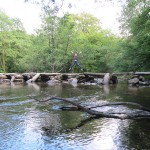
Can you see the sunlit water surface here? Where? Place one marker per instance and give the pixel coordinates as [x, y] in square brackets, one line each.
[26, 124]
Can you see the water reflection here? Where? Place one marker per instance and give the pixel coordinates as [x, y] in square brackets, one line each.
[34, 86]
[24, 122]
[109, 135]
[33, 123]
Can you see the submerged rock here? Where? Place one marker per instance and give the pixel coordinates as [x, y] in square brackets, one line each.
[144, 83]
[133, 81]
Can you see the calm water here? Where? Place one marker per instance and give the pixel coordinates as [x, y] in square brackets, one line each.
[26, 124]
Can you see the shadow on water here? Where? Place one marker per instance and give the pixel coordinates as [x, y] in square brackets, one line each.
[28, 124]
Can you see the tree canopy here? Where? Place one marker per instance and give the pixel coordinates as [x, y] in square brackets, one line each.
[50, 49]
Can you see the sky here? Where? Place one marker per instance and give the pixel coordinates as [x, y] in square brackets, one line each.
[29, 14]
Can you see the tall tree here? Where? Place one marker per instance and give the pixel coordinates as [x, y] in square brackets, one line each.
[5, 28]
[13, 42]
[138, 44]
[131, 10]
[134, 51]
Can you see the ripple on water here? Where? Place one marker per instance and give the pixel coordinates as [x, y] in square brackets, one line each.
[24, 122]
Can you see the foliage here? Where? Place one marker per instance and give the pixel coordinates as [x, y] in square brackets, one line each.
[131, 10]
[50, 49]
[12, 43]
[136, 52]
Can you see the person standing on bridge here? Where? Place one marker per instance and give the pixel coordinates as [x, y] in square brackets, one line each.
[75, 61]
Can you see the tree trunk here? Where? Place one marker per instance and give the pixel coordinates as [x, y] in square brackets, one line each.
[106, 114]
[3, 61]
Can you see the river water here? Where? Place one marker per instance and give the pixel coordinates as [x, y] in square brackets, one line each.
[26, 124]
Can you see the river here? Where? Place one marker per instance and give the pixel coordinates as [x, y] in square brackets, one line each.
[26, 124]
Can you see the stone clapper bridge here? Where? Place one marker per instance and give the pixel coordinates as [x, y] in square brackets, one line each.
[86, 77]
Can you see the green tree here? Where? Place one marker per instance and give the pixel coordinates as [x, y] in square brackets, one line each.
[131, 10]
[5, 27]
[94, 43]
[138, 44]
[13, 42]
